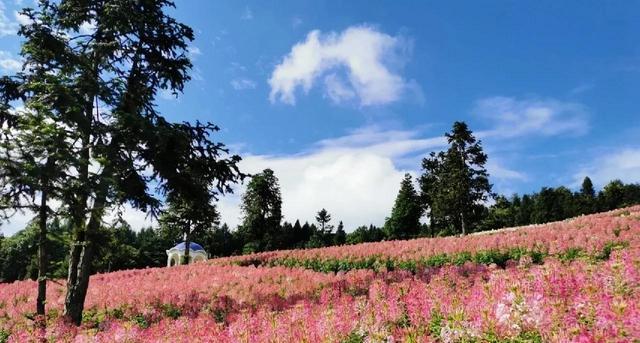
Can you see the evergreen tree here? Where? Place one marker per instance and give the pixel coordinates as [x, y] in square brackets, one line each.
[612, 196]
[587, 188]
[500, 215]
[525, 211]
[365, 234]
[323, 218]
[324, 234]
[262, 211]
[151, 247]
[404, 221]
[587, 197]
[221, 242]
[101, 87]
[455, 183]
[300, 236]
[34, 158]
[341, 236]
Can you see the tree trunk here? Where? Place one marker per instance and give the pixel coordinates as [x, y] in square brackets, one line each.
[187, 246]
[42, 240]
[463, 224]
[80, 264]
[42, 253]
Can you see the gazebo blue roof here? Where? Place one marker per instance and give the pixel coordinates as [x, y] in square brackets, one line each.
[192, 247]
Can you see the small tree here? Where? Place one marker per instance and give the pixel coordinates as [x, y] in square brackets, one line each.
[587, 197]
[340, 236]
[34, 155]
[404, 221]
[323, 218]
[324, 233]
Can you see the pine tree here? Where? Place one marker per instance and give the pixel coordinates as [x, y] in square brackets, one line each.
[587, 197]
[340, 236]
[404, 221]
[323, 218]
[262, 212]
[455, 183]
[324, 234]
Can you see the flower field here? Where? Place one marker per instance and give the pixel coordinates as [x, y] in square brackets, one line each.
[593, 235]
[572, 281]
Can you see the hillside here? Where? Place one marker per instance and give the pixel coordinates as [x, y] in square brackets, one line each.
[575, 280]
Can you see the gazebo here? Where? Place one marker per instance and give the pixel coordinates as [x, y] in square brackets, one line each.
[175, 254]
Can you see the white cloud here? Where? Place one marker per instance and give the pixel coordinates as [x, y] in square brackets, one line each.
[136, 218]
[166, 94]
[247, 14]
[354, 177]
[337, 89]
[514, 118]
[21, 18]
[196, 74]
[243, 84]
[365, 55]
[9, 64]
[88, 27]
[623, 164]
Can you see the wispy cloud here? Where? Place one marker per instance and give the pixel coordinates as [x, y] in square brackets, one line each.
[296, 21]
[623, 164]
[582, 88]
[8, 27]
[193, 51]
[242, 84]
[247, 14]
[513, 117]
[359, 62]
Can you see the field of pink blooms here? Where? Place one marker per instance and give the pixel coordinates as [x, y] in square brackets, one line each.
[572, 281]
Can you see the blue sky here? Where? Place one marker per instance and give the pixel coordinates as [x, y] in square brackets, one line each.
[342, 98]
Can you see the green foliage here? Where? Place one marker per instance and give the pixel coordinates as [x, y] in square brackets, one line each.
[262, 212]
[378, 263]
[340, 236]
[365, 234]
[609, 247]
[455, 182]
[554, 204]
[19, 253]
[571, 254]
[435, 324]
[354, 337]
[171, 311]
[141, 321]
[90, 113]
[404, 221]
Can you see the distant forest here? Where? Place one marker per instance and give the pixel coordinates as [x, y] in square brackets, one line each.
[452, 193]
